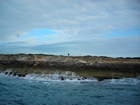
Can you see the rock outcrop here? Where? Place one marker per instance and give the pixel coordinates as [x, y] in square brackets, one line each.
[86, 66]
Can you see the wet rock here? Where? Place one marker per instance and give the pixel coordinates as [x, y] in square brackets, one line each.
[10, 73]
[21, 75]
[83, 78]
[103, 78]
[116, 77]
[15, 74]
[62, 78]
[6, 73]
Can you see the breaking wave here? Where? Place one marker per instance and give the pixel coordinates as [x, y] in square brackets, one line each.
[70, 76]
[56, 76]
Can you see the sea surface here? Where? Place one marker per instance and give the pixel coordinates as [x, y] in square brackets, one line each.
[37, 90]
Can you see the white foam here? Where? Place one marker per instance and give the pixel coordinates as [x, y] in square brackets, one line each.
[123, 81]
[6, 72]
[71, 77]
[57, 76]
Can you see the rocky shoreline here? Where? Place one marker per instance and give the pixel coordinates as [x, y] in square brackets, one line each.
[85, 66]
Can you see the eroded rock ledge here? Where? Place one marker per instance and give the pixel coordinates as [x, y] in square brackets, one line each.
[86, 66]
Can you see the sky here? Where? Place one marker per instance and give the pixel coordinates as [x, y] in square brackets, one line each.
[79, 27]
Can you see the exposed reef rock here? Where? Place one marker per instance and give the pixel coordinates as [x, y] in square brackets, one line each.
[86, 66]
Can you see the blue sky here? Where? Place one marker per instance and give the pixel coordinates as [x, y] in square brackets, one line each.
[79, 27]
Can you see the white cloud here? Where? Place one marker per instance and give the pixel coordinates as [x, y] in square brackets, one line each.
[90, 16]
[72, 20]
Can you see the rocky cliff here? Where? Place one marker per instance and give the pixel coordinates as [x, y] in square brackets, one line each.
[93, 66]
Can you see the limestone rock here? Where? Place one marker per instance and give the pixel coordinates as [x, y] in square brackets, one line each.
[36, 64]
[81, 61]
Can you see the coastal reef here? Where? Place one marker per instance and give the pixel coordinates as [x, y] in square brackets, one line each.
[100, 67]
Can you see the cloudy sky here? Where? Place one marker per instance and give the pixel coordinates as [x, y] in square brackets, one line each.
[79, 27]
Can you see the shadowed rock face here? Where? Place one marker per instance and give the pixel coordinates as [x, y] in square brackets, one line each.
[86, 66]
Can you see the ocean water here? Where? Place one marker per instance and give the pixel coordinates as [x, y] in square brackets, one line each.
[43, 90]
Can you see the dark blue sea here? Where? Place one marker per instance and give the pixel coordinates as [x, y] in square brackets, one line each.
[39, 90]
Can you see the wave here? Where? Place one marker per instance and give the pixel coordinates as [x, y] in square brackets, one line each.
[123, 81]
[65, 76]
[71, 76]
[56, 76]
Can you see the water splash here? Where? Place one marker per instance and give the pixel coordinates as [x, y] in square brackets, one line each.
[59, 76]
[7, 72]
[70, 76]
[55, 76]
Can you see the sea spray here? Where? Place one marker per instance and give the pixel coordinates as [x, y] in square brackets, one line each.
[57, 76]
[60, 76]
